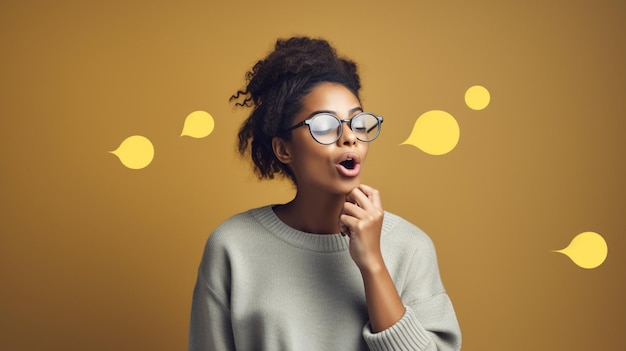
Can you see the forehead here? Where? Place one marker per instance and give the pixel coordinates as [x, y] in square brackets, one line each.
[329, 97]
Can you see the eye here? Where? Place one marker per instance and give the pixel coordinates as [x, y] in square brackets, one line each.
[359, 129]
[323, 124]
[358, 125]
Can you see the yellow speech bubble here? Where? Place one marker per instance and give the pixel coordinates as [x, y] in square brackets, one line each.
[435, 132]
[198, 124]
[587, 250]
[477, 97]
[135, 152]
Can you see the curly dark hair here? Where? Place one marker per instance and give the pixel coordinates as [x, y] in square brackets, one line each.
[274, 90]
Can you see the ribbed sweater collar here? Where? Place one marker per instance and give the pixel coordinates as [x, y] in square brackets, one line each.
[303, 240]
[308, 241]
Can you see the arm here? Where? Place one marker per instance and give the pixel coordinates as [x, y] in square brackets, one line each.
[362, 220]
[210, 325]
[384, 306]
[427, 320]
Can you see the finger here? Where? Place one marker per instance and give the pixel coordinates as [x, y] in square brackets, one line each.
[343, 229]
[347, 224]
[372, 194]
[358, 197]
[353, 210]
[366, 197]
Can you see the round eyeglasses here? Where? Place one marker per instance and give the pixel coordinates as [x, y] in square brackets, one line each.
[326, 128]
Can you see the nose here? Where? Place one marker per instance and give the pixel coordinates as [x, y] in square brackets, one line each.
[347, 135]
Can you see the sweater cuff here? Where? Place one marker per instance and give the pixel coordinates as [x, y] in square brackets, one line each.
[406, 334]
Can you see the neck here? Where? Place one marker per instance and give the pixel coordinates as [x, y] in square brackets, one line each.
[312, 213]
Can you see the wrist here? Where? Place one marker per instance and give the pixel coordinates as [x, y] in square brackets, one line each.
[373, 266]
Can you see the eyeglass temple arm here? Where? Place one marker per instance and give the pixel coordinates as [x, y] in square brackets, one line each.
[380, 121]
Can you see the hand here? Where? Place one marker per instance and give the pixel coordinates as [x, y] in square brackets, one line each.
[362, 219]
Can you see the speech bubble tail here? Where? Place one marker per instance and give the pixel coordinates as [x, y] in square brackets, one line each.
[409, 141]
[135, 152]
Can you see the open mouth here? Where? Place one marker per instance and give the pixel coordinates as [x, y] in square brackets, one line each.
[348, 164]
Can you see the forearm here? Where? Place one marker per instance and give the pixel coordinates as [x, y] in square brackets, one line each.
[362, 217]
[384, 305]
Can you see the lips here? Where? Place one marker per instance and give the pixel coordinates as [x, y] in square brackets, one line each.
[349, 164]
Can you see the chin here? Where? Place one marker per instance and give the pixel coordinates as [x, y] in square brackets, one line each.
[349, 184]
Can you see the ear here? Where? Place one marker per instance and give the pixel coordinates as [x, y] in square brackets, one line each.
[282, 150]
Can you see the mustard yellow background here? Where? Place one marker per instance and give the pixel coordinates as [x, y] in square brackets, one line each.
[96, 256]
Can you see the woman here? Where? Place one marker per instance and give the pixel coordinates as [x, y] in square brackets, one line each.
[329, 270]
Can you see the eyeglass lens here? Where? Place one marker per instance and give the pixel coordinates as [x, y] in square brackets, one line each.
[326, 128]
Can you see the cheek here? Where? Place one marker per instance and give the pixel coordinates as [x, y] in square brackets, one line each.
[312, 162]
[312, 159]
[363, 151]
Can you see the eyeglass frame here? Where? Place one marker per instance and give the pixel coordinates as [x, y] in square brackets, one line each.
[309, 120]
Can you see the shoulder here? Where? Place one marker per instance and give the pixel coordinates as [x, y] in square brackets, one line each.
[402, 238]
[237, 228]
[233, 239]
[398, 229]
[235, 222]
[411, 258]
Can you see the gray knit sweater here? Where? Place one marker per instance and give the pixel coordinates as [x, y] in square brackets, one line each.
[263, 285]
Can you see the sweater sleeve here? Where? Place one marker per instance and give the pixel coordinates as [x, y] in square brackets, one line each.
[429, 322]
[410, 334]
[210, 325]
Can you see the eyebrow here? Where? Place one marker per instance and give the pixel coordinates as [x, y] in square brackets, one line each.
[350, 112]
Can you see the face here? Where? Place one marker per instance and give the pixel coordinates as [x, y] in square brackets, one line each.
[333, 168]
